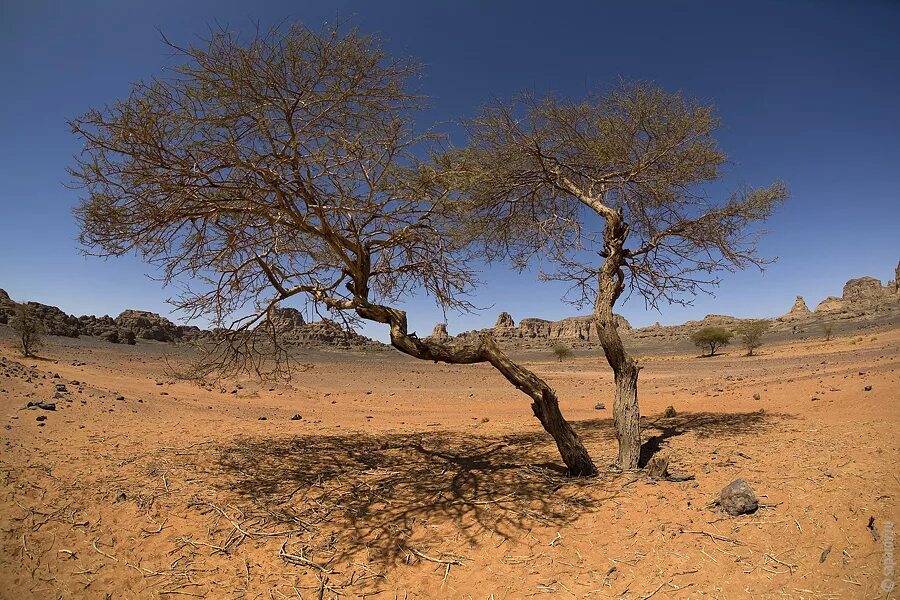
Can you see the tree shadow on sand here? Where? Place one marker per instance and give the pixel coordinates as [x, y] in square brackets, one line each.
[390, 492]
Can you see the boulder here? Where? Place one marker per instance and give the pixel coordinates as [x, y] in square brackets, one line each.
[737, 498]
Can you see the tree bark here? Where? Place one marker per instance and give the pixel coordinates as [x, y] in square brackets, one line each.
[611, 281]
[545, 404]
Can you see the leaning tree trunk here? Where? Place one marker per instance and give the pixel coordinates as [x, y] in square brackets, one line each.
[626, 411]
[545, 405]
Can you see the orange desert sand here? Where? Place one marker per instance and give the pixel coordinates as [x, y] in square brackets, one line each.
[405, 479]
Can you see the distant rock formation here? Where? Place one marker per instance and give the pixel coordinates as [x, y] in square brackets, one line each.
[538, 333]
[504, 320]
[830, 304]
[287, 319]
[440, 332]
[799, 307]
[295, 331]
[862, 296]
[151, 326]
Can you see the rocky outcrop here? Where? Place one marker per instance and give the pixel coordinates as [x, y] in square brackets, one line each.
[151, 326]
[146, 325]
[862, 296]
[6, 307]
[440, 332]
[799, 309]
[295, 331]
[504, 320]
[831, 304]
[864, 290]
[55, 321]
[287, 319]
[538, 333]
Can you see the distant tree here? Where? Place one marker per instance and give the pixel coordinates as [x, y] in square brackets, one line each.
[711, 338]
[112, 336]
[30, 329]
[129, 337]
[751, 333]
[827, 330]
[621, 176]
[561, 352]
[284, 166]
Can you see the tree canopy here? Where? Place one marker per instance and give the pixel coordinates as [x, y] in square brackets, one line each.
[563, 180]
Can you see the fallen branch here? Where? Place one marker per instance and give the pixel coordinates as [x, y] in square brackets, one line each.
[299, 559]
[714, 536]
[422, 555]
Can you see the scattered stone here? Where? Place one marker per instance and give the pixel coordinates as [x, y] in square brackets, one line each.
[868, 388]
[263, 418]
[737, 498]
[669, 412]
[599, 406]
[873, 530]
[120, 498]
[120, 397]
[41, 418]
[296, 418]
[42, 405]
[61, 387]
[756, 396]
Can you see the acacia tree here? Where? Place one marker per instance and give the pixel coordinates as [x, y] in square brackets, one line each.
[281, 167]
[711, 338]
[751, 333]
[609, 193]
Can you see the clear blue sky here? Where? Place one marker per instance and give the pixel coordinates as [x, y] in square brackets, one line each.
[808, 92]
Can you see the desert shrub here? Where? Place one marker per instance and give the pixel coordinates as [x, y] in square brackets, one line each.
[711, 338]
[751, 333]
[29, 327]
[561, 352]
[112, 336]
[129, 337]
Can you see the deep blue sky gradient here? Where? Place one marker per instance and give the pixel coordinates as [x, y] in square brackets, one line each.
[808, 92]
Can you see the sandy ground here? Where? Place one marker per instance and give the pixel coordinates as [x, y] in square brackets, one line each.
[405, 479]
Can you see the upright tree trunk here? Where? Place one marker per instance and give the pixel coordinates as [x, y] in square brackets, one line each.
[611, 281]
[544, 402]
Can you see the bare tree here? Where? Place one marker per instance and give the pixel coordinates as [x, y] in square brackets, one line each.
[286, 167]
[28, 326]
[609, 192]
